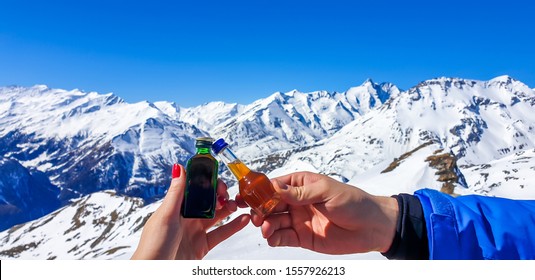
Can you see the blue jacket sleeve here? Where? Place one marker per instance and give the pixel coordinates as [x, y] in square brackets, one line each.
[478, 227]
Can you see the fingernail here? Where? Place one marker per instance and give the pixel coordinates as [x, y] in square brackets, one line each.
[176, 171]
[281, 185]
[222, 200]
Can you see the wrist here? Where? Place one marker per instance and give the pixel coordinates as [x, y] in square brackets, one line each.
[388, 212]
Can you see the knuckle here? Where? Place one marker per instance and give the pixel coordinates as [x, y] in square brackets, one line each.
[299, 193]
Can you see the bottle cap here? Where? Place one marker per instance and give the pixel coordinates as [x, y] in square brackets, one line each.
[204, 142]
[219, 145]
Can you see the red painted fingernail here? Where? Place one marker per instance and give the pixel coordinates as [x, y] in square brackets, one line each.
[222, 200]
[176, 171]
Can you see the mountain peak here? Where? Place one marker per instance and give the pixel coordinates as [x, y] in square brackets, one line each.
[278, 96]
[368, 81]
[511, 84]
[503, 78]
[445, 82]
[291, 92]
[40, 87]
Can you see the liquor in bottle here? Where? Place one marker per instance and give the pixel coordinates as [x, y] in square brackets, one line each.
[201, 182]
[255, 187]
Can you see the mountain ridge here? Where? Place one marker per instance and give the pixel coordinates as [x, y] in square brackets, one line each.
[94, 143]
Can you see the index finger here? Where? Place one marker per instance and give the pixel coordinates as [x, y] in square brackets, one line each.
[172, 202]
[222, 188]
[298, 178]
[222, 194]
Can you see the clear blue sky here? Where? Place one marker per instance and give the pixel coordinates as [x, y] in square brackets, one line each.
[193, 52]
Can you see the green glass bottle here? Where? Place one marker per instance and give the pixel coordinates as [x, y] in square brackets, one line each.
[201, 182]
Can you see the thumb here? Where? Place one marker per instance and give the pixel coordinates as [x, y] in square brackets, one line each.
[172, 201]
[302, 195]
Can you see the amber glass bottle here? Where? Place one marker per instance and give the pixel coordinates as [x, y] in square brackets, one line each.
[201, 182]
[255, 187]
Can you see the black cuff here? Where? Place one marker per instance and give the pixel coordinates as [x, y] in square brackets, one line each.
[410, 241]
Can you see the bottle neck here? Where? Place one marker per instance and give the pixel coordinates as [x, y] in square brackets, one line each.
[203, 150]
[236, 166]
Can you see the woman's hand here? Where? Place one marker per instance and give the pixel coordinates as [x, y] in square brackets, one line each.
[167, 235]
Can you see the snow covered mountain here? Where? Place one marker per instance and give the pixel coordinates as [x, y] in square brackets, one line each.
[283, 120]
[87, 142]
[455, 135]
[25, 194]
[99, 225]
[476, 121]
